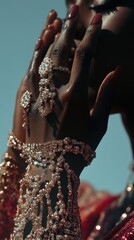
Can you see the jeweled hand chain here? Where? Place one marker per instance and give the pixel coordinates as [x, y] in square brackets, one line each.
[47, 89]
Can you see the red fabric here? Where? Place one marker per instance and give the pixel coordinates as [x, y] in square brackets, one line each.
[11, 173]
[92, 206]
[124, 230]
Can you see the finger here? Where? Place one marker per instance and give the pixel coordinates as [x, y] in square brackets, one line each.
[57, 25]
[61, 49]
[40, 45]
[46, 41]
[72, 52]
[105, 97]
[83, 55]
[50, 19]
[33, 75]
[56, 37]
[48, 37]
[101, 111]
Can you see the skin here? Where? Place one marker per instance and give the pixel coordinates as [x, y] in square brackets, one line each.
[52, 24]
[103, 60]
[102, 64]
[74, 120]
[72, 94]
[122, 97]
[72, 117]
[115, 47]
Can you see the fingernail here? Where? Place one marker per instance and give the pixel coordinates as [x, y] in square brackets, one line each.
[51, 11]
[73, 12]
[38, 44]
[97, 19]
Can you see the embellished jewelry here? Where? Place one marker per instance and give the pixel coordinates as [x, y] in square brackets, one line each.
[47, 89]
[67, 145]
[25, 104]
[14, 142]
[47, 207]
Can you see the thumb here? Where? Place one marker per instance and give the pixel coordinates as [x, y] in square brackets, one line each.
[105, 96]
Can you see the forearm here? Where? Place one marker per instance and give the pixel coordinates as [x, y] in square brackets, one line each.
[48, 194]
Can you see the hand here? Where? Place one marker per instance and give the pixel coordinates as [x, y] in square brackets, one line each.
[56, 106]
[44, 41]
[70, 116]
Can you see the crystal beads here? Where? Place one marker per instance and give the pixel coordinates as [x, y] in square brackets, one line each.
[47, 206]
[47, 89]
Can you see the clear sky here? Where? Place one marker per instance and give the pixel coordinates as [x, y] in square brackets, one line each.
[20, 25]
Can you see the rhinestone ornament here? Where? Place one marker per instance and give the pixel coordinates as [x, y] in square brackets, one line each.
[25, 104]
[13, 142]
[48, 193]
[47, 89]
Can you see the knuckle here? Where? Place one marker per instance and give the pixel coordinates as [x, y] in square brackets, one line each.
[59, 50]
[91, 36]
[61, 46]
[66, 26]
[56, 50]
[91, 30]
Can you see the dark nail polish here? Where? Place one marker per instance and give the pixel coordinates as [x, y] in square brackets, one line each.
[51, 11]
[97, 19]
[73, 12]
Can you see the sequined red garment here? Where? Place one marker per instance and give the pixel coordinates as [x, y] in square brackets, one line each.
[10, 174]
[93, 216]
[92, 204]
[124, 230]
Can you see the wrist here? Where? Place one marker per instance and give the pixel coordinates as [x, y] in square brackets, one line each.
[14, 150]
[51, 186]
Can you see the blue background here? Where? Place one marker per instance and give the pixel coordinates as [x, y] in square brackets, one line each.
[20, 25]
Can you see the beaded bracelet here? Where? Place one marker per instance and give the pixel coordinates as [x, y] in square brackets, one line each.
[42, 151]
[51, 187]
